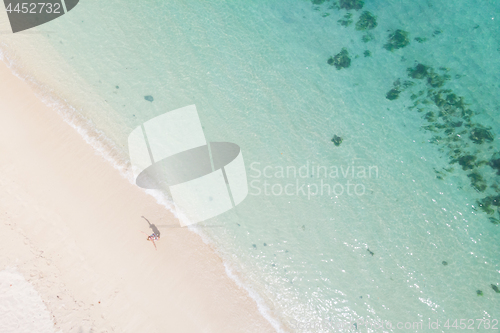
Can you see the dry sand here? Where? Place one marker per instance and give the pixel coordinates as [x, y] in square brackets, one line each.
[71, 226]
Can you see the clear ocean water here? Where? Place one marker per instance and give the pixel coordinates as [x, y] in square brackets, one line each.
[412, 234]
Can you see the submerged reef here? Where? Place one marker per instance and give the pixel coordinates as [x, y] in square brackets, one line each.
[398, 88]
[445, 114]
[435, 80]
[495, 163]
[393, 94]
[337, 140]
[477, 181]
[149, 98]
[397, 40]
[466, 143]
[486, 203]
[346, 21]
[495, 288]
[351, 4]
[470, 147]
[480, 134]
[341, 60]
[436, 32]
[466, 162]
[419, 72]
[367, 21]
[367, 37]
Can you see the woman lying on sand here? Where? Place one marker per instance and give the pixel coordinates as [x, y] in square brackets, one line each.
[152, 238]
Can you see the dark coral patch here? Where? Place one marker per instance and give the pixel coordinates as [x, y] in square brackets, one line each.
[418, 72]
[367, 37]
[456, 123]
[495, 164]
[466, 162]
[480, 134]
[337, 140]
[452, 124]
[430, 117]
[477, 181]
[436, 32]
[393, 94]
[435, 80]
[346, 21]
[399, 87]
[341, 60]
[486, 203]
[397, 40]
[351, 4]
[367, 21]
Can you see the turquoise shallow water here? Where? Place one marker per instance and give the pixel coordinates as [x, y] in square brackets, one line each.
[410, 242]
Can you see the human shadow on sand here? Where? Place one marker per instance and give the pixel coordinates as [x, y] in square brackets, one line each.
[152, 227]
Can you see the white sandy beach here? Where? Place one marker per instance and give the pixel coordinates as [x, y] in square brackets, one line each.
[70, 224]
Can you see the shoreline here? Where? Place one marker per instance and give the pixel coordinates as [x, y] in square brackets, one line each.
[80, 220]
